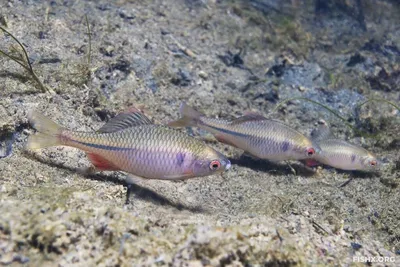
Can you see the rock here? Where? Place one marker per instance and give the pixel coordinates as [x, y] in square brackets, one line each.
[203, 75]
[107, 50]
[355, 59]
[385, 81]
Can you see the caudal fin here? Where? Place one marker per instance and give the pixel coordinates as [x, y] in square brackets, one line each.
[189, 117]
[48, 132]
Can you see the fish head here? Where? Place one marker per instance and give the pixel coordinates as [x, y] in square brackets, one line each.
[210, 162]
[312, 150]
[369, 162]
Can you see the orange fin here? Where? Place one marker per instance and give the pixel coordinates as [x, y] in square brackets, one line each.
[101, 163]
[310, 163]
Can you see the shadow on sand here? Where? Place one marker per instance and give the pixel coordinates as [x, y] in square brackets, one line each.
[276, 169]
[140, 192]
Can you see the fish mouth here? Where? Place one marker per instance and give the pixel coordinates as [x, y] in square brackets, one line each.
[228, 165]
[224, 162]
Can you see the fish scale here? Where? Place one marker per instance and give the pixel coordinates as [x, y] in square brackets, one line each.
[130, 142]
[340, 153]
[343, 156]
[255, 134]
[155, 154]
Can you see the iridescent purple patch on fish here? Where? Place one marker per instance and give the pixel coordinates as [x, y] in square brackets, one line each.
[285, 146]
[353, 158]
[180, 158]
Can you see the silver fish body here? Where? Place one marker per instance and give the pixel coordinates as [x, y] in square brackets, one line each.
[343, 155]
[150, 151]
[131, 143]
[255, 134]
[340, 153]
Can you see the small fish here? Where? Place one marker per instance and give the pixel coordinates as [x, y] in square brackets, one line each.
[130, 142]
[339, 153]
[253, 133]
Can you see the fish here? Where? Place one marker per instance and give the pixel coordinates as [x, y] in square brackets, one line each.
[131, 143]
[340, 154]
[256, 135]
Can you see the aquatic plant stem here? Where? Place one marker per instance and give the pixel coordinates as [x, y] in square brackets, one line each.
[362, 133]
[379, 100]
[90, 41]
[27, 66]
[314, 102]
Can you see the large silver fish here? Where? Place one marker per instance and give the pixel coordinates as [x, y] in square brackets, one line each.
[339, 153]
[253, 133]
[130, 142]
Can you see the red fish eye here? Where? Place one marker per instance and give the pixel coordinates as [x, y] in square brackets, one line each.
[214, 165]
[373, 162]
[310, 151]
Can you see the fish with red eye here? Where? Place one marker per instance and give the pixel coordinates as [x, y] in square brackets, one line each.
[340, 153]
[310, 152]
[373, 163]
[215, 165]
[256, 135]
[130, 142]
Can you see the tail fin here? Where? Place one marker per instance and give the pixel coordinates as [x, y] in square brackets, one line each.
[48, 132]
[190, 117]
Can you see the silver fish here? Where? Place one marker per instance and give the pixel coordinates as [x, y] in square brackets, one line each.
[253, 133]
[130, 142]
[339, 153]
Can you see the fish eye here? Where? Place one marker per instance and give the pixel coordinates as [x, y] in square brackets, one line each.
[215, 165]
[373, 163]
[310, 151]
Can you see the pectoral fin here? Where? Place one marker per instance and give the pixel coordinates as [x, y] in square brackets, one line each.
[185, 175]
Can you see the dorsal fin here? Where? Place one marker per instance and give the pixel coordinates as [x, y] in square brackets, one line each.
[129, 118]
[249, 117]
[322, 132]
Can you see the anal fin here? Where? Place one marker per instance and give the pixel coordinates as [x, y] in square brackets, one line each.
[101, 163]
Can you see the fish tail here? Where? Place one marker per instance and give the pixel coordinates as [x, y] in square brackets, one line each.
[48, 134]
[190, 117]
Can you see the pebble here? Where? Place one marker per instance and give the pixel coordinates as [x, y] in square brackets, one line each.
[355, 245]
[203, 75]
